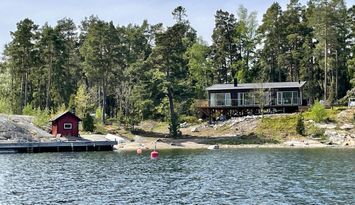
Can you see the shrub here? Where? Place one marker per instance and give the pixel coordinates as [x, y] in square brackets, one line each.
[28, 110]
[5, 107]
[88, 123]
[189, 119]
[42, 117]
[100, 129]
[318, 112]
[98, 114]
[300, 125]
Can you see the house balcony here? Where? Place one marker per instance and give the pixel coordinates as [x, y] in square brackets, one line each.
[246, 103]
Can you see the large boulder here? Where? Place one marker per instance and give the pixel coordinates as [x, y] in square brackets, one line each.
[336, 137]
[347, 126]
[11, 131]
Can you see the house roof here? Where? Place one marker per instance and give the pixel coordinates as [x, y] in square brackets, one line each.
[61, 115]
[252, 86]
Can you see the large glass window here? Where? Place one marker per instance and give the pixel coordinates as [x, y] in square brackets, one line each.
[254, 98]
[287, 98]
[248, 98]
[220, 99]
[295, 98]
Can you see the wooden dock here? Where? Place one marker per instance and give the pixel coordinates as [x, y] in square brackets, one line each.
[60, 146]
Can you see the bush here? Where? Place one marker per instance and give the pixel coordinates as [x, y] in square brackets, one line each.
[42, 117]
[88, 123]
[98, 114]
[315, 131]
[189, 119]
[300, 129]
[318, 112]
[5, 107]
[100, 129]
[28, 110]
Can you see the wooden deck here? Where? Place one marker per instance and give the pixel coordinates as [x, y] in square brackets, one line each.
[68, 146]
[230, 111]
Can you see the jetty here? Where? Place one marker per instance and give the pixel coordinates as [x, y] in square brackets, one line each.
[68, 146]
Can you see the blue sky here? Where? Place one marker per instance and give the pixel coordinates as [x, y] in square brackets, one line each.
[200, 12]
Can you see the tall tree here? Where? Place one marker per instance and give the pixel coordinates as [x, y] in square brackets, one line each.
[245, 39]
[272, 40]
[295, 32]
[328, 20]
[200, 68]
[224, 49]
[351, 60]
[21, 55]
[170, 66]
[101, 53]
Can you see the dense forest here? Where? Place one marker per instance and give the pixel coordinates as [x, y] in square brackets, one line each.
[135, 72]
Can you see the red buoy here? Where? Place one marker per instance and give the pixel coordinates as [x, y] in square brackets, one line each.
[154, 154]
[139, 151]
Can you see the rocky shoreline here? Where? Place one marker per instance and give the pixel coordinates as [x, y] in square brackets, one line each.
[239, 131]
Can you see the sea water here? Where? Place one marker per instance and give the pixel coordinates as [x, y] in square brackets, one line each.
[234, 176]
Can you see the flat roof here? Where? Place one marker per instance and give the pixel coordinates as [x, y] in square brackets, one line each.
[251, 86]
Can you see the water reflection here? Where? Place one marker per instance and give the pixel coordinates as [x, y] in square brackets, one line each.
[245, 176]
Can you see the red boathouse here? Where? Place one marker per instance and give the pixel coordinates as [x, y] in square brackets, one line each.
[66, 124]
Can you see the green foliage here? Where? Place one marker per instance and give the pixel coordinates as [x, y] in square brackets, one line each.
[5, 107]
[188, 119]
[300, 128]
[317, 112]
[278, 127]
[154, 72]
[100, 129]
[200, 68]
[42, 118]
[82, 101]
[98, 114]
[29, 110]
[315, 131]
[174, 127]
[88, 123]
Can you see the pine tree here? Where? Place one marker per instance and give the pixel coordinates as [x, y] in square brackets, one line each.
[170, 67]
[271, 36]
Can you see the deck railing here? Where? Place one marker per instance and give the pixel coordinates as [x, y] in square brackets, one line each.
[239, 103]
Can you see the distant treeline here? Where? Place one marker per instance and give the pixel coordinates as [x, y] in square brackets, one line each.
[146, 71]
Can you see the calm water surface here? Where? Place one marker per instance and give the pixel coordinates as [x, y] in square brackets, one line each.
[243, 176]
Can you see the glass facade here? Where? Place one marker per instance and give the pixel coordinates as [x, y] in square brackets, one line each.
[255, 98]
[287, 98]
[220, 99]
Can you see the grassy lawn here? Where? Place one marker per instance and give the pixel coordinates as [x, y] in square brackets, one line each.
[278, 128]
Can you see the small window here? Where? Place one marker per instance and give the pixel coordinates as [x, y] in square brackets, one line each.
[68, 126]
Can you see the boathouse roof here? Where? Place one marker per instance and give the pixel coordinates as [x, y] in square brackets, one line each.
[62, 115]
[251, 86]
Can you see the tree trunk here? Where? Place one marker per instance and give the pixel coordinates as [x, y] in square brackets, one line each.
[325, 69]
[336, 74]
[173, 118]
[103, 101]
[49, 81]
[26, 88]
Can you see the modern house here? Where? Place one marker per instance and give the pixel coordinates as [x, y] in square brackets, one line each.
[240, 99]
[65, 124]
